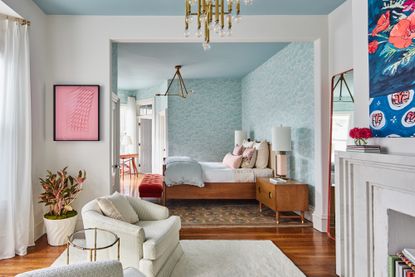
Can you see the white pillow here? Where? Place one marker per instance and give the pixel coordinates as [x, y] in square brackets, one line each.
[262, 155]
[118, 207]
[248, 144]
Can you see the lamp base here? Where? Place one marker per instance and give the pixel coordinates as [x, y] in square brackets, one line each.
[282, 165]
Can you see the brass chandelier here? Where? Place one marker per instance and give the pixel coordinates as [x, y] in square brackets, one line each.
[212, 15]
[182, 90]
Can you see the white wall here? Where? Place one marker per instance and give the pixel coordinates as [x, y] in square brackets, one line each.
[361, 80]
[39, 59]
[78, 48]
[341, 39]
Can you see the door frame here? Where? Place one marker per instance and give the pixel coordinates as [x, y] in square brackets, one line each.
[161, 152]
[141, 102]
[115, 144]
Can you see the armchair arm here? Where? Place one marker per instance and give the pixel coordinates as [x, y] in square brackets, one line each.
[131, 236]
[147, 210]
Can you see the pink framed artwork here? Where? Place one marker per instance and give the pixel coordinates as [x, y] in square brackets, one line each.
[76, 112]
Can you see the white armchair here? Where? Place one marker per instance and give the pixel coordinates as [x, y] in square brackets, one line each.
[151, 245]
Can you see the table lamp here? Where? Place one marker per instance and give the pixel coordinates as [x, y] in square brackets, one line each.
[240, 136]
[281, 144]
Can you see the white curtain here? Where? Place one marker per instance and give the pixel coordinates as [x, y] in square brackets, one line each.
[16, 206]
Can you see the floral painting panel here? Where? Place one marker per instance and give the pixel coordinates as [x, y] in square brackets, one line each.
[392, 67]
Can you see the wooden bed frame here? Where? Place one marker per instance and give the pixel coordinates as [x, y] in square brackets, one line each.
[211, 191]
[214, 190]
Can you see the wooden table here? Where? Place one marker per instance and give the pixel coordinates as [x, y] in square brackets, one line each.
[291, 196]
[132, 164]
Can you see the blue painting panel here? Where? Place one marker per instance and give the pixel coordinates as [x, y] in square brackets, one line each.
[393, 115]
[392, 67]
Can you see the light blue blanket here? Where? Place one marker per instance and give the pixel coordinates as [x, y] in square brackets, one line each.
[183, 170]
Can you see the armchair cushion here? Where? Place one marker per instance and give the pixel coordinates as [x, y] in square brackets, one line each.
[147, 210]
[118, 207]
[161, 236]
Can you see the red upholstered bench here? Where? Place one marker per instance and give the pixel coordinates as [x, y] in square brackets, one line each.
[151, 186]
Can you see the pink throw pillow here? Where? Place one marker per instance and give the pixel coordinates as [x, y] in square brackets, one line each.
[238, 150]
[248, 153]
[232, 161]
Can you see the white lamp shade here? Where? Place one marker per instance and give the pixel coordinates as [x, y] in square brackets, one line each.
[239, 137]
[281, 139]
[126, 140]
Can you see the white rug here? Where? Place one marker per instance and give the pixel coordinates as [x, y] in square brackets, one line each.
[217, 258]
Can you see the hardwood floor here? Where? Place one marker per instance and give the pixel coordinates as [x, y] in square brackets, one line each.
[313, 252]
[39, 256]
[129, 184]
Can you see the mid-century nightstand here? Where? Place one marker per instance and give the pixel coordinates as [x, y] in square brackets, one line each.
[291, 196]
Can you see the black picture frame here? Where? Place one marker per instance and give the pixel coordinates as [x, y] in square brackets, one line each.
[55, 91]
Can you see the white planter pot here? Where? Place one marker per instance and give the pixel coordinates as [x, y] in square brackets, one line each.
[58, 230]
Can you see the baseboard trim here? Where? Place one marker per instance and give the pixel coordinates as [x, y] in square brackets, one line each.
[39, 230]
[320, 222]
[309, 214]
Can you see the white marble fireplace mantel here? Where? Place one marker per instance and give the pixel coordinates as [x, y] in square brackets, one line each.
[370, 187]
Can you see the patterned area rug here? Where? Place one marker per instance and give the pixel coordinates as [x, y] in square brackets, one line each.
[228, 213]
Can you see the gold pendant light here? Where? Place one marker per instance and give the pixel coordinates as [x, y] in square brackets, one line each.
[182, 90]
[212, 15]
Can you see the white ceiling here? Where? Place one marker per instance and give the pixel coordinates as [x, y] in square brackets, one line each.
[142, 65]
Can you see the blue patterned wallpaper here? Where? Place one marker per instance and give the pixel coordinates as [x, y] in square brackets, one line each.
[124, 94]
[202, 126]
[150, 92]
[281, 91]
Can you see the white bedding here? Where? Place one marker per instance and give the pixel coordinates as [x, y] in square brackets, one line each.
[217, 172]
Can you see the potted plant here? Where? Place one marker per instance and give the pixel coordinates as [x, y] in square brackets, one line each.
[60, 190]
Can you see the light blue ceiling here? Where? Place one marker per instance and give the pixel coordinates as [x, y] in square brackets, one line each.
[176, 7]
[142, 65]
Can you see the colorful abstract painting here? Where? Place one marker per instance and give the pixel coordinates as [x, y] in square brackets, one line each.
[392, 67]
[76, 112]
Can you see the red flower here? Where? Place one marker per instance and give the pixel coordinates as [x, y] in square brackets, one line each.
[373, 46]
[409, 5]
[382, 24]
[365, 133]
[403, 32]
[354, 133]
[360, 133]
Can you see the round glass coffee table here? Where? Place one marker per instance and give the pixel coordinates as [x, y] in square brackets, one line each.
[92, 239]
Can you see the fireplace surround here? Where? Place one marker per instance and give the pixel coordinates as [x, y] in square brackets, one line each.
[375, 211]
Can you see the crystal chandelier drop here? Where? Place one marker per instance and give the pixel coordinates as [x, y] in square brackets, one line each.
[212, 15]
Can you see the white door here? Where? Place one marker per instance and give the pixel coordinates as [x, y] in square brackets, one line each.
[115, 144]
[145, 145]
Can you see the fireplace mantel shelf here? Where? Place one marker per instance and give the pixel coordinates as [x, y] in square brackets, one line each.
[368, 186]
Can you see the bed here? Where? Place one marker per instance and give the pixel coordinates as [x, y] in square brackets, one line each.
[220, 182]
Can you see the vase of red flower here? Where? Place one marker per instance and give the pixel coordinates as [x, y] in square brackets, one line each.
[360, 135]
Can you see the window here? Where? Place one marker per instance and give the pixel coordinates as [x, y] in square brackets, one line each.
[341, 125]
[145, 110]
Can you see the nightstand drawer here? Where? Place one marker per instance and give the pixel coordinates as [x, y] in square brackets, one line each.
[265, 194]
[290, 196]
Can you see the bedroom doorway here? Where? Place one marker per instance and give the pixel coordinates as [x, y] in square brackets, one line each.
[145, 135]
